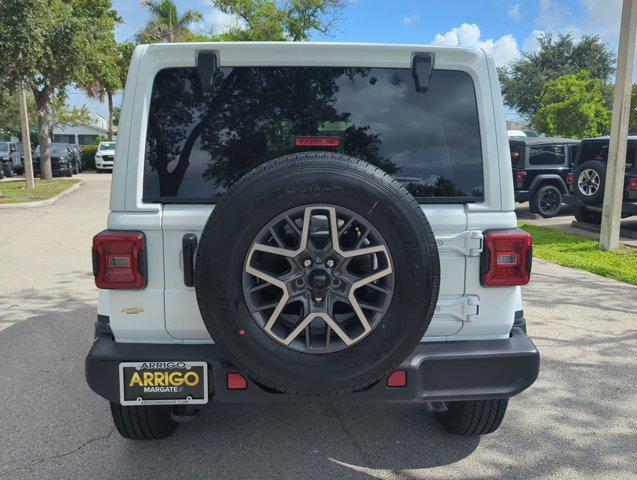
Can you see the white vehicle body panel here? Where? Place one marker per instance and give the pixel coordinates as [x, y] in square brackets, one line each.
[166, 310]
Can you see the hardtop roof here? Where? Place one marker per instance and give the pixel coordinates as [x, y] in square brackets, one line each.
[544, 140]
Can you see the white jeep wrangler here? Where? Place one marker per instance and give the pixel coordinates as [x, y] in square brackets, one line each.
[300, 221]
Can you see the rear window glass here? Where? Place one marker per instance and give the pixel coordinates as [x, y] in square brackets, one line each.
[547, 155]
[598, 150]
[199, 143]
[54, 149]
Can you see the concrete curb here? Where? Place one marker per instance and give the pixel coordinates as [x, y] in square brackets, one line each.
[44, 203]
[595, 228]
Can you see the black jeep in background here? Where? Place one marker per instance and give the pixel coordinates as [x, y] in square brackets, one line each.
[540, 169]
[63, 161]
[586, 188]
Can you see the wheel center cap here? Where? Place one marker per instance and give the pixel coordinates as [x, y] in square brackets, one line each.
[318, 281]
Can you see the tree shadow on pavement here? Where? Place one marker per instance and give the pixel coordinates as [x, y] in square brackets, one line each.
[578, 420]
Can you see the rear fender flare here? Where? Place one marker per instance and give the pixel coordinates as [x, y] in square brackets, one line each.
[548, 179]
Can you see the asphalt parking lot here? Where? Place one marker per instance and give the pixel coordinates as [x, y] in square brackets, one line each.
[578, 421]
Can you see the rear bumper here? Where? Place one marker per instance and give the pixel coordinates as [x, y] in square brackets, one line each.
[629, 208]
[443, 371]
[56, 171]
[522, 196]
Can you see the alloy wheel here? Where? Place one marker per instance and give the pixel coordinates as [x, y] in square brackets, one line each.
[588, 182]
[318, 278]
[549, 202]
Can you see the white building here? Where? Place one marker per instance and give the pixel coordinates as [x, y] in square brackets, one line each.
[82, 134]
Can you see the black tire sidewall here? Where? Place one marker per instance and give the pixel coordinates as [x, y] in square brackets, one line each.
[598, 197]
[285, 185]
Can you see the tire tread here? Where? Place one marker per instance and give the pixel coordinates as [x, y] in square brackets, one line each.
[143, 423]
[473, 417]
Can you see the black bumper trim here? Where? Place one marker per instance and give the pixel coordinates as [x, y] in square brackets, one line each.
[441, 371]
[522, 196]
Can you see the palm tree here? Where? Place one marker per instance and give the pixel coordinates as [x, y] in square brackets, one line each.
[166, 24]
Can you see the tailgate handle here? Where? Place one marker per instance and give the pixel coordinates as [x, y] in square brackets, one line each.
[189, 246]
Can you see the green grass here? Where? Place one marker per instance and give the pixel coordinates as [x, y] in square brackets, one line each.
[582, 252]
[15, 191]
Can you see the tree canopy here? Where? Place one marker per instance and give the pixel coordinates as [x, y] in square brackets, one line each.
[573, 106]
[523, 80]
[61, 113]
[10, 113]
[50, 45]
[272, 20]
[166, 23]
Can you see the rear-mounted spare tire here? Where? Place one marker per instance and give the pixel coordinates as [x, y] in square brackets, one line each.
[317, 274]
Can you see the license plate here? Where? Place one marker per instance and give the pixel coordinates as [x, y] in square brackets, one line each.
[163, 383]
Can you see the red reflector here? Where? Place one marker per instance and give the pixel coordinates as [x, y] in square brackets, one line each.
[519, 176]
[236, 381]
[317, 141]
[506, 258]
[570, 176]
[118, 260]
[632, 184]
[397, 378]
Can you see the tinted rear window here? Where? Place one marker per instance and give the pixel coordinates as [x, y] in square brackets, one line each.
[598, 150]
[198, 144]
[547, 155]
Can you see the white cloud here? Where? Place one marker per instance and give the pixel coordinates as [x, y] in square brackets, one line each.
[504, 49]
[530, 43]
[551, 16]
[218, 21]
[411, 19]
[514, 13]
[603, 17]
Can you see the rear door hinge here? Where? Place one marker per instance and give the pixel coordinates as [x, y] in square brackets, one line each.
[465, 308]
[468, 243]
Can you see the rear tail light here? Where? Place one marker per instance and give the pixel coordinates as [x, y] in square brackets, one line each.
[506, 258]
[317, 141]
[632, 184]
[119, 260]
[570, 177]
[519, 175]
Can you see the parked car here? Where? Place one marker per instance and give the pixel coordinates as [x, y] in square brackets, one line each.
[104, 156]
[587, 181]
[9, 158]
[540, 168]
[62, 160]
[247, 259]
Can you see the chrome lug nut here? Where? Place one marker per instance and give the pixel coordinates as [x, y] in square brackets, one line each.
[307, 262]
[330, 263]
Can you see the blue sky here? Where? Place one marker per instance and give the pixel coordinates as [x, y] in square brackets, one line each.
[504, 27]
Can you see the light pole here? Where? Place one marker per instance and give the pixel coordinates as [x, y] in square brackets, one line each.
[614, 186]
